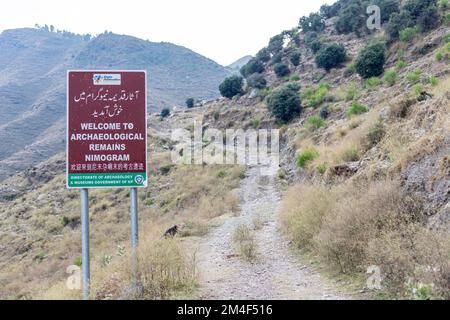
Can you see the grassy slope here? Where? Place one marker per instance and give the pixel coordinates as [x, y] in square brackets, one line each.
[41, 228]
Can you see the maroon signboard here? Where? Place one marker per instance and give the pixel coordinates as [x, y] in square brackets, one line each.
[106, 129]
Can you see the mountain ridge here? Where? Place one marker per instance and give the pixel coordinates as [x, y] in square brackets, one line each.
[34, 64]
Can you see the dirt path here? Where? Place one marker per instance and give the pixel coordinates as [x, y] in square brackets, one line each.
[277, 274]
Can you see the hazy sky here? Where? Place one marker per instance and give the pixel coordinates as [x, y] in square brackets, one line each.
[222, 30]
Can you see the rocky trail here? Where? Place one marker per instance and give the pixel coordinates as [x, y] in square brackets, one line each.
[276, 273]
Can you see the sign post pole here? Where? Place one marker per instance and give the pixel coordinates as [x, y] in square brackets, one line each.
[134, 218]
[106, 143]
[134, 231]
[85, 260]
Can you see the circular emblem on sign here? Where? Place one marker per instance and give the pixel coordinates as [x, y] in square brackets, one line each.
[139, 179]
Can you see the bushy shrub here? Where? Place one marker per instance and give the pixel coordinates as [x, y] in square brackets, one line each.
[423, 13]
[312, 41]
[429, 19]
[231, 86]
[357, 219]
[284, 103]
[295, 58]
[387, 8]
[398, 22]
[417, 7]
[406, 35]
[165, 113]
[447, 19]
[281, 70]
[433, 81]
[370, 60]
[353, 226]
[400, 64]
[332, 56]
[313, 97]
[315, 46]
[352, 18]
[253, 66]
[293, 35]
[277, 58]
[304, 208]
[390, 77]
[245, 243]
[374, 136]
[314, 22]
[350, 154]
[350, 70]
[310, 36]
[314, 122]
[324, 112]
[306, 156]
[329, 11]
[190, 103]
[276, 44]
[443, 4]
[356, 108]
[414, 76]
[351, 92]
[263, 55]
[352, 14]
[373, 82]
[257, 81]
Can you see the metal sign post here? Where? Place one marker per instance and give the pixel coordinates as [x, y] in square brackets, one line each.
[134, 217]
[106, 143]
[134, 231]
[84, 193]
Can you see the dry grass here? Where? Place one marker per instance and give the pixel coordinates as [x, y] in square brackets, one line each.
[346, 143]
[258, 222]
[46, 236]
[303, 211]
[353, 226]
[245, 243]
[164, 268]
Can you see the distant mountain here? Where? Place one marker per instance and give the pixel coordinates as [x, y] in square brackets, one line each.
[236, 66]
[33, 66]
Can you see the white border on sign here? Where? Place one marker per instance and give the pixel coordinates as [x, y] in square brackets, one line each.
[67, 129]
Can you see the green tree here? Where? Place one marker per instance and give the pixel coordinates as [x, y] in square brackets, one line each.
[314, 22]
[165, 113]
[190, 102]
[329, 11]
[257, 81]
[276, 44]
[263, 55]
[331, 56]
[370, 60]
[429, 19]
[281, 70]
[231, 86]
[417, 7]
[284, 103]
[398, 22]
[253, 66]
[352, 18]
[295, 58]
[387, 8]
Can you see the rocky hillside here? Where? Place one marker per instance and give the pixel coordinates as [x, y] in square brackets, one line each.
[33, 66]
[366, 140]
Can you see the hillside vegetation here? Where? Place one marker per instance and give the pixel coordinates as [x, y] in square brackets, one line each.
[365, 120]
